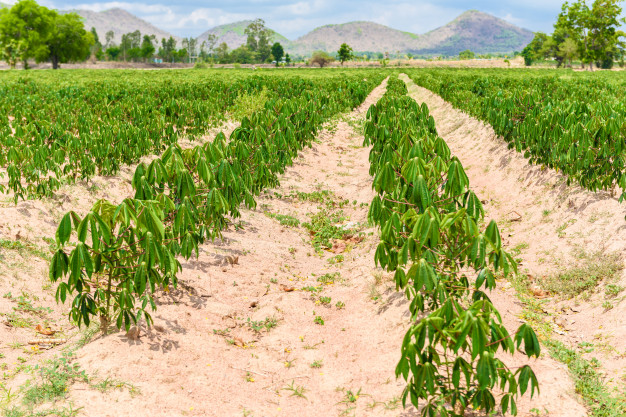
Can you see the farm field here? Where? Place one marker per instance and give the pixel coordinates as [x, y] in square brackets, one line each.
[274, 242]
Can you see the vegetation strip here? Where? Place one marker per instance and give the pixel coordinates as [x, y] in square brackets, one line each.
[571, 124]
[117, 256]
[431, 235]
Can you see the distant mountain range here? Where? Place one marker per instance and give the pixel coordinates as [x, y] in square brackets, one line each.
[474, 30]
[120, 22]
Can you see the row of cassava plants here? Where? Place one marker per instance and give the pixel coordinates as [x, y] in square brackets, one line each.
[111, 261]
[432, 237]
[59, 130]
[576, 125]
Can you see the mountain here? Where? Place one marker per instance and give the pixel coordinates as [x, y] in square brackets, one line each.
[474, 30]
[234, 36]
[361, 36]
[120, 22]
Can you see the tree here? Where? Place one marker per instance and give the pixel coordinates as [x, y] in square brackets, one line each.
[96, 48]
[277, 52]
[190, 45]
[24, 29]
[568, 50]
[344, 53]
[594, 29]
[168, 49]
[466, 54]
[211, 40]
[68, 41]
[242, 55]
[110, 35]
[287, 59]
[532, 51]
[113, 52]
[321, 58]
[258, 39]
[147, 47]
[222, 53]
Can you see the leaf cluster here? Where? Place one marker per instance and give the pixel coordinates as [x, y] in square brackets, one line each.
[433, 239]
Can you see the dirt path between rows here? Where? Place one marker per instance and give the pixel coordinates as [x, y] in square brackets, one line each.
[554, 229]
[318, 353]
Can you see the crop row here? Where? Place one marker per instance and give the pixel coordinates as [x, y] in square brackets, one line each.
[55, 131]
[574, 124]
[444, 259]
[112, 260]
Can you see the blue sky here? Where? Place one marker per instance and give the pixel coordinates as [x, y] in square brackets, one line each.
[295, 18]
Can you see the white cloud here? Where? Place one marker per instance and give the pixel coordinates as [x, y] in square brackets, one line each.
[140, 8]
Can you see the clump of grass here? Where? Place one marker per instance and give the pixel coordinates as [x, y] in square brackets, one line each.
[54, 379]
[284, 219]
[593, 268]
[249, 103]
[323, 230]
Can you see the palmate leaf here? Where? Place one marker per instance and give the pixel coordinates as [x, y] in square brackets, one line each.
[64, 229]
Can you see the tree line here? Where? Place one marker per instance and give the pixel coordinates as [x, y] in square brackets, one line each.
[589, 33]
[29, 31]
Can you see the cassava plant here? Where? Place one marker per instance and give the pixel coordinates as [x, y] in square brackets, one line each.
[444, 260]
[572, 125]
[120, 258]
[115, 258]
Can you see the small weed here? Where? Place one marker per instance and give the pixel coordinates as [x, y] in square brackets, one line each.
[335, 259]
[340, 305]
[325, 300]
[318, 320]
[351, 397]
[328, 279]
[221, 332]
[267, 324]
[284, 219]
[317, 364]
[296, 390]
[560, 231]
[613, 290]
[607, 305]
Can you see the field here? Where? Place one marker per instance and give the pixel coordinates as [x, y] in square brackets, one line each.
[350, 242]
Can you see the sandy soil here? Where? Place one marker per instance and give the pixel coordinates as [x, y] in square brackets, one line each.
[555, 227]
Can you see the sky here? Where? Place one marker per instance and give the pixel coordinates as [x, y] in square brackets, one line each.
[295, 18]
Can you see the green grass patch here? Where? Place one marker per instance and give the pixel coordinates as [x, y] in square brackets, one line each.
[593, 268]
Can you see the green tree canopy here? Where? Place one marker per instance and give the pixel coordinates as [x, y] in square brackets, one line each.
[589, 32]
[466, 54]
[344, 53]
[147, 47]
[24, 29]
[68, 41]
[277, 52]
[258, 39]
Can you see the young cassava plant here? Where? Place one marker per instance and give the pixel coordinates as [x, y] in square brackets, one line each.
[432, 237]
